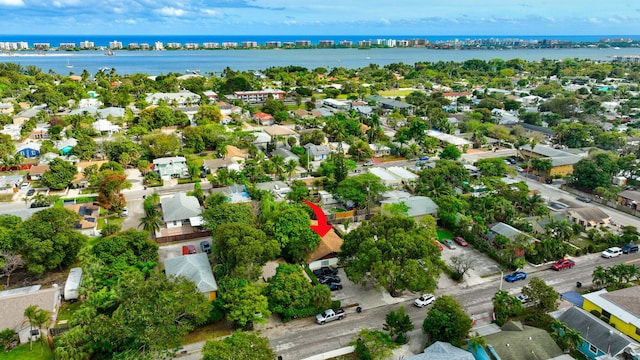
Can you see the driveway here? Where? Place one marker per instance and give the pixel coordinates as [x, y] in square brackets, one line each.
[172, 250]
[483, 267]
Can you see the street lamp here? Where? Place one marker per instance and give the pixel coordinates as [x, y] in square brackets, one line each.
[501, 277]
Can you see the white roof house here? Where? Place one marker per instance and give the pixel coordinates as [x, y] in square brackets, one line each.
[405, 175]
[387, 178]
[181, 207]
[448, 138]
[105, 126]
[181, 98]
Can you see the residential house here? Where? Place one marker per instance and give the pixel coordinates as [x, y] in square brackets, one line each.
[562, 161]
[335, 147]
[620, 308]
[417, 206]
[589, 216]
[212, 96]
[539, 223]
[261, 140]
[516, 341]
[448, 139]
[110, 113]
[181, 98]
[169, 167]
[10, 183]
[91, 102]
[336, 104]
[36, 172]
[509, 232]
[29, 150]
[15, 301]
[629, 198]
[388, 179]
[442, 351]
[276, 131]
[23, 116]
[390, 104]
[317, 152]
[65, 146]
[13, 130]
[225, 108]
[286, 154]
[598, 337]
[326, 253]
[235, 154]
[194, 267]
[259, 96]
[212, 165]
[6, 109]
[41, 131]
[105, 126]
[180, 210]
[407, 177]
[89, 213]
[279, 189]
[380, 150]
[263, 118]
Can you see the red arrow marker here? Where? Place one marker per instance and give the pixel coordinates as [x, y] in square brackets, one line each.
[322, 228]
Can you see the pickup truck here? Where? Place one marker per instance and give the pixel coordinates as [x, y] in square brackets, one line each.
[330, 315]
[563, 264]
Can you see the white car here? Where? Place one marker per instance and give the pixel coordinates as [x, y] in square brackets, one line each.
[612, 252]
[424, 300]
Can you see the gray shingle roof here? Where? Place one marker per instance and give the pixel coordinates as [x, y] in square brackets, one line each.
[195, 267]
[595, 331]
[179, 207]
[442, 351]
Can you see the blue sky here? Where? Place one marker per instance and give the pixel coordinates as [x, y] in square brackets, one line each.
[326, 17]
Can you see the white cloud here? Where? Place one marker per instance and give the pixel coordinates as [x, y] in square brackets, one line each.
[211, 12]
[170, 11]
[12, 2]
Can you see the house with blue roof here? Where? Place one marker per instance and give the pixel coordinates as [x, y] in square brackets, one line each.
[29, 150]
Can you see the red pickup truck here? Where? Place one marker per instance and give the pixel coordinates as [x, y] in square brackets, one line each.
[563, 264]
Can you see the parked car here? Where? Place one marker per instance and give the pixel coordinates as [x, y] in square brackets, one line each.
[424, 300]
[330, 315]
[125, 212]
[334, 286]
[420, 163]
[205, 247]
[424, 158]
[191, 249]
[612, 252]
[519, 169]
[326, 279]
[325, 270]
[438, 244]
[368, 163]
[630, 248]
[449, 243]
[460, 241]
[30, 192]
[563, 264]
[25, 185]
[584, 199]
[515, 276]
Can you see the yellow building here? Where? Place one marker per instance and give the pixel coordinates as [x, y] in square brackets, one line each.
[620, 308]
[562, 161]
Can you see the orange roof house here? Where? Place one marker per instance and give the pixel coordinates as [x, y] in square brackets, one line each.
[327, 251]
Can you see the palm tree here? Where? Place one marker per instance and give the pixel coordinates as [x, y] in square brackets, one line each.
[36, 318]
[151, 222]
[291, 167]
[41, 320]
[599, 276]
[278, 165]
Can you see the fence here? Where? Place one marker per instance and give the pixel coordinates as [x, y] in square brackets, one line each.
[605, 202]
[181, 237]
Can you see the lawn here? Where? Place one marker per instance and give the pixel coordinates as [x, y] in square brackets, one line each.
[6, 197]
[444, 234]
[395, 93]
[207, 332]
[22, 352]
[67, 309]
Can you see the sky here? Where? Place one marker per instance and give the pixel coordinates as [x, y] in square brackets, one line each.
[326, 17]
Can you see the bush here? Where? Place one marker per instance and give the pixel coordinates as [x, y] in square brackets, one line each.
[456, 276]
[336, 304]
[595, 313]
[216, 313]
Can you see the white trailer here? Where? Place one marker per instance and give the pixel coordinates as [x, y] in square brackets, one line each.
[73, 284]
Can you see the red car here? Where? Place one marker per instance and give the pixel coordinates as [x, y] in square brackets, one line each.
[439, 245]
[189, 249]
[563, 264]
[460, 241]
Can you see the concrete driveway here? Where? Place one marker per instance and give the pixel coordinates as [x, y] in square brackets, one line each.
[483, 267]
[172, 250]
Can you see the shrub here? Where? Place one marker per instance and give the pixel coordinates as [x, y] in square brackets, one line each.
[596, 313]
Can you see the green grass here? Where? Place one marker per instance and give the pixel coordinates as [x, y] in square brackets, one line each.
[6, 197]
[444, 234]
[395, 93]
[22, 352]
[207, 332]
[79, 200]
[67, 309]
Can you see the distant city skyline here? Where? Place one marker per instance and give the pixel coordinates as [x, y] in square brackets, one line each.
[330, 17]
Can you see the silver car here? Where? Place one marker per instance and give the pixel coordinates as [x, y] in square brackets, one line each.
[424, 300]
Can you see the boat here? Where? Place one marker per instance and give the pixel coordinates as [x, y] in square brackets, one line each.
[69, 66]
[110, 53]
[193, 71]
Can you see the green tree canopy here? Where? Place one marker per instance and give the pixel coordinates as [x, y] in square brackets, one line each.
[240, 345]
[361, 189]
[541, 295]
[290, 226]
[49, 239]
[450, 152]
[291, 294]
[59, 175]
[446, 321]
[242, 250]
[394, 253]
[243, 303]
[219, 214]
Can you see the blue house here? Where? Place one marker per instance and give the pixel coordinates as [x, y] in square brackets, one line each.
[599, 338]
[30, 150]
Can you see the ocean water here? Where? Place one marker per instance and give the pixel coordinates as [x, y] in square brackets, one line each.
[215, 61]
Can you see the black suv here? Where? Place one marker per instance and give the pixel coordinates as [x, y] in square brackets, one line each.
[630, 249]
[325, 270]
